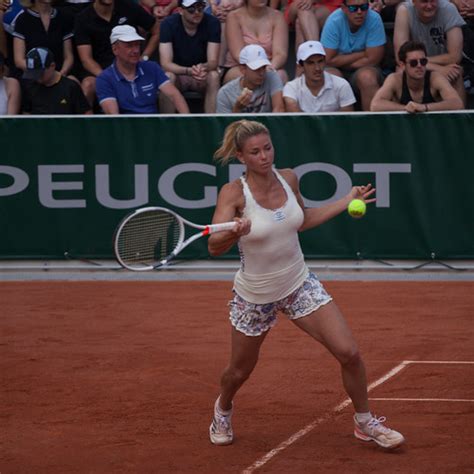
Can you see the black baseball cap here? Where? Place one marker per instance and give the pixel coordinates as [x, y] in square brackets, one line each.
[37, 60]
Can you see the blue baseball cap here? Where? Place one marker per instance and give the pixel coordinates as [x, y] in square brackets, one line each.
[37, 60]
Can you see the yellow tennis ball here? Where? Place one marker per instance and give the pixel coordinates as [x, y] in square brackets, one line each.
[357, 208]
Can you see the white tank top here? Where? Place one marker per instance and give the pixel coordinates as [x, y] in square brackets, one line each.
[272, 263]
[3, 98]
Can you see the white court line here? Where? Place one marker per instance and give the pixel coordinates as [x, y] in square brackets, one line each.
[310, 427]
[438, 362]
[423, 400]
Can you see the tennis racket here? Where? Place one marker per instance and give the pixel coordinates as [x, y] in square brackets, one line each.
[150, 237]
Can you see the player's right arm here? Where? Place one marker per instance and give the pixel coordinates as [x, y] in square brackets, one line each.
[229, 203]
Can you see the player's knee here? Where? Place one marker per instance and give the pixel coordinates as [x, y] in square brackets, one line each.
[239, 375]
[349, 357]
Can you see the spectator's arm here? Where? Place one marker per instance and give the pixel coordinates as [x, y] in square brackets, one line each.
[450, 99]
[14, 96]
[110, 106]
[291, 105]
[233, 34]
[278, 105]
[347, 108]
[385, 99]
[279, 42]
[344, 61]
[372, 57]
[454, 45]
[166, 60]
[87, 59]
[175, 96]
[68, 57]
[19, 53]
[212, 56]
[153, 40]
[401, 29]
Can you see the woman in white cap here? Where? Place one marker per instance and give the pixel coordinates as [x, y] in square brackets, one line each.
[257, 23]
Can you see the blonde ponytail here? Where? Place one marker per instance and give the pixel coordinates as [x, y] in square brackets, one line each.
[235, 135]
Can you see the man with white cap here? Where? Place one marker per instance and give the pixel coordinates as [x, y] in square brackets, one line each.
[316, 90]
[131, 85]
[258, 90]
[92, 30]
[189, 50]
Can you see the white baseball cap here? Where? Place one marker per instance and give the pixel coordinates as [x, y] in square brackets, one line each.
[125, 33]
[188, 3]
[308, 48]
[253, 56]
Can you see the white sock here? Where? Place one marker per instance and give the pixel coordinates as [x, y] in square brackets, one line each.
[363, 417]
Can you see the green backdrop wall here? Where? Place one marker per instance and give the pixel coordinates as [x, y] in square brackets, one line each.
[65, 182]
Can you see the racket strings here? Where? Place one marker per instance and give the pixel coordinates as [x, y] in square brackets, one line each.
[148, 238]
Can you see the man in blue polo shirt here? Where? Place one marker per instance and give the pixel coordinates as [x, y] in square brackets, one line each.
[131, 86]
[354, 40]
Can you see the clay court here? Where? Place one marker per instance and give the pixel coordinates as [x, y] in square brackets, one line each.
[121, 376]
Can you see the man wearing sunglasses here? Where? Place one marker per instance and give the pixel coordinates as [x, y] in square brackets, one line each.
[414, 89]
[189, 51]
[437, 24]
[354, 40]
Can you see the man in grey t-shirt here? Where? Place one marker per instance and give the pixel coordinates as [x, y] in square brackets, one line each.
[437, 24]
[258, 90]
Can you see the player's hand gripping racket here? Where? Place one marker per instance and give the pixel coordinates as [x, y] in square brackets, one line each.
[150, 237]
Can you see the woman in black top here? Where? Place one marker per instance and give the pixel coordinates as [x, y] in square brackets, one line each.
[41, 25]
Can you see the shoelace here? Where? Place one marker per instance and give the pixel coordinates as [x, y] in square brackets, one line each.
[222, 423]
[376, 424]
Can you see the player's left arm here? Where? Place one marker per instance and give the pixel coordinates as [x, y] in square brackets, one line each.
[315, 216]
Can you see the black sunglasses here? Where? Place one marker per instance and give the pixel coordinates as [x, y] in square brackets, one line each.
[198, 7]
[414, 62]
[353, 8]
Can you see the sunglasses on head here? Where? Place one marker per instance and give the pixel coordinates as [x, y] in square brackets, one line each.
[353, 8]
[414, 62]
[197, 7]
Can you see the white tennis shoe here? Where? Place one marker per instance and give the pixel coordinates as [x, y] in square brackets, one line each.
[375, 430]
[220, 430]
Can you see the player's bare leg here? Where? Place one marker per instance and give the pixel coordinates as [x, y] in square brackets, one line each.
[244, 357]
[328, 326]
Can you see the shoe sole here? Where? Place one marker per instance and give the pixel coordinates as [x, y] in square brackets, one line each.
[364, 437]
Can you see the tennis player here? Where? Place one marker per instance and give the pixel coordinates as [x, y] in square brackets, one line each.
[273, 277]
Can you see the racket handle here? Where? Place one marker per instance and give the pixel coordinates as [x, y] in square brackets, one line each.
[210, 229]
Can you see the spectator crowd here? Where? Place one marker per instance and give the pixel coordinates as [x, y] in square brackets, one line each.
[235, 56]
